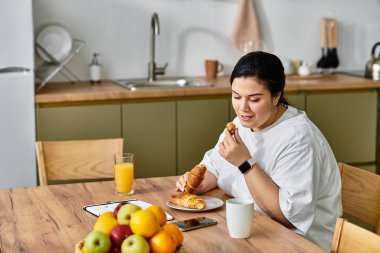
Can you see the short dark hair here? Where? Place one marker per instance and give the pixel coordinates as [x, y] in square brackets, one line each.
[266, 67]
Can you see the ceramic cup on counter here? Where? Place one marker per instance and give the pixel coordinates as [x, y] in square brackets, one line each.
[288, 66]
[213, 67]
[124, 173]
[296, 65]
[304, 69]
[239, 215]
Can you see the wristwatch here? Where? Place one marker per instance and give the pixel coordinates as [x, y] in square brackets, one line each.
[247, 165]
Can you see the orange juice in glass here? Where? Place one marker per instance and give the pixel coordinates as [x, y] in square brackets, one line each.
[124, 171]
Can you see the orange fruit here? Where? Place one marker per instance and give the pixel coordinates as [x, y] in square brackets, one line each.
[174, 230]
[159, 213]
[162, 242]
[144, 223]
[105, 223]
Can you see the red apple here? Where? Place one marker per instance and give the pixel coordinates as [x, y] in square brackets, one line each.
[117, 208]
[114, 250]
[119, 233]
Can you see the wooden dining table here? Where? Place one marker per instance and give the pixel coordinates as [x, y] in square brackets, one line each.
[51, 219]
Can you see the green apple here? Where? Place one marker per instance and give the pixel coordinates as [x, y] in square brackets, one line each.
[97, 242]
[135, 244]
[125, 213]
[117, 208]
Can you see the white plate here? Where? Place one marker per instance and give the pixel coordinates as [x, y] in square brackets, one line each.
[56, 41]
[211, 203]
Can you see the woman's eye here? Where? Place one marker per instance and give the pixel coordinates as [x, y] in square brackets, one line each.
[237, 97]
[254, 100]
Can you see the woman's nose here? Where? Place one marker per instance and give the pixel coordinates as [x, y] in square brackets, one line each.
[244, 105]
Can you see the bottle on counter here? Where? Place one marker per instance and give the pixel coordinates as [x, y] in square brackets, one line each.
[95, 69]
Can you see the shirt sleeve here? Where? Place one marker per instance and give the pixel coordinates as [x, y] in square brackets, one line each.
[208, 162]
[295, 173]
[212, 158]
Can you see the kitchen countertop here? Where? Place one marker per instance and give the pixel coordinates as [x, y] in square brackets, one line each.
[108, 91]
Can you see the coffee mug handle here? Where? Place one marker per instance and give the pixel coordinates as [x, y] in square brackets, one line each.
[220, 67]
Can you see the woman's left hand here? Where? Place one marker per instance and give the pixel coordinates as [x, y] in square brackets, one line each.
[233, 149]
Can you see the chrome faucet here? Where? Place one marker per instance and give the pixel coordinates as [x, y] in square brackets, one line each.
[152, 69]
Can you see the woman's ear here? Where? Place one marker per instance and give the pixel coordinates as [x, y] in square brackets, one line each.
[276, 98]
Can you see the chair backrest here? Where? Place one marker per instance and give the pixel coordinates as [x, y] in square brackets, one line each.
[361, 194]
[350, 238]
[76, 160]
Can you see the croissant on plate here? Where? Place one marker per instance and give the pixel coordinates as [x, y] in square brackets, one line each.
[195, 178]
[189, 201]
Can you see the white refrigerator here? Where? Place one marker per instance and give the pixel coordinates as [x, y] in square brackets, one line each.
[17, 103]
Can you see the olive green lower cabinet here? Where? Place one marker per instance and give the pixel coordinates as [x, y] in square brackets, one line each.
[200, 122]
[78, 122]
[149, 132]
[348, 121]
[296, 99]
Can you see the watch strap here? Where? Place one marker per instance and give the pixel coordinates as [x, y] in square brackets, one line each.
[247, 165]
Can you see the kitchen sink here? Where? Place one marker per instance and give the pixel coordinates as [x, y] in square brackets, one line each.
[143, 84]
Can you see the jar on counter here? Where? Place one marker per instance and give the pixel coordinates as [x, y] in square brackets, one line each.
[304, 69]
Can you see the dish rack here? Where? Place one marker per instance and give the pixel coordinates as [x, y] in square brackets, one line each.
[49, 69]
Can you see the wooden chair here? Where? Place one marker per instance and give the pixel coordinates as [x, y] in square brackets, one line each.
[84, 160]
[349, 238]
[361, 194]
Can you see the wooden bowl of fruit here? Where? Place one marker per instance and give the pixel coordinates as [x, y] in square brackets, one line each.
[79, 248]
[129, 229]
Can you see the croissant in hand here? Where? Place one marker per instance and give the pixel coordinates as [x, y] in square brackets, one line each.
[195, 178]
[189, 201]
[231, 128]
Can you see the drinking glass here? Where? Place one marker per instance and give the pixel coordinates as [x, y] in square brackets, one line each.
[124, 173]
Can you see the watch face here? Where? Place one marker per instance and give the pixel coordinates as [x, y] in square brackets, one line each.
[244, 167]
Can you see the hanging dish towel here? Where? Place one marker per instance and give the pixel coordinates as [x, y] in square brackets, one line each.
[246, 28]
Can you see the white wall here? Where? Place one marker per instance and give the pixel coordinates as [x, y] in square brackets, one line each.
[193, 30]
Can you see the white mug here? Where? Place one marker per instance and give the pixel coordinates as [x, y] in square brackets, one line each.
[239, 215]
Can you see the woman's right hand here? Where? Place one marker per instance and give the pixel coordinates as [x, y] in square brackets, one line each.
[181, 182]
[209, 182]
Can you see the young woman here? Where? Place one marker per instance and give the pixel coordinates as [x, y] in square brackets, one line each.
[277, 156]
